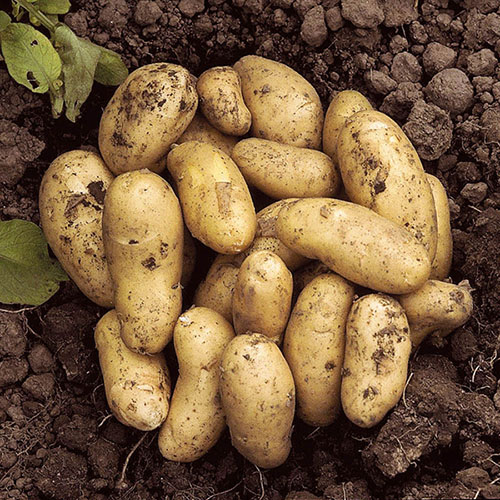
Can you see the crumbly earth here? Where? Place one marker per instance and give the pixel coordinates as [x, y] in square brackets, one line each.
[430, 64]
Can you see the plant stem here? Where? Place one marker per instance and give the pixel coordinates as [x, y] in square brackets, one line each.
[35, 12]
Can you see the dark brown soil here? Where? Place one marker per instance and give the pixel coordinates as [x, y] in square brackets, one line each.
[435, 70]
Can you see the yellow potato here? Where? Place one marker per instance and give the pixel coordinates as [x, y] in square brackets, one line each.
[200, 130]
[342, 107]
[221, 101]
[188, 258]
[258, 397]
[436, 306]
[303, 276]
[441, 264]
[148, 112]
[262, 296]
[314, 347]
[217, 206]
[382, 171]
[285, 107]
[376, 359]
[356, 243]
[283, 171]
[196, 420]
[71, 202]
[137, 387]
[143, 238]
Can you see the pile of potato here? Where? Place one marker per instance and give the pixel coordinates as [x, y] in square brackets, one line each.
[345, 271]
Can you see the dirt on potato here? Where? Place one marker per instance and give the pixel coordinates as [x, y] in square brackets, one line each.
[432, 65]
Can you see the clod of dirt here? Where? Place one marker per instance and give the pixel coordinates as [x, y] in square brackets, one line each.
[13, 370]
[437, 57]
[77, 21]
[468, 171]
[430, 129]
[77, 433]
[147, 12]
[191, 7]
[451, 90]
[468, 483]
[475, 193]
[301, 495]
[313, 30]
[463, 345]
[104, 458]
[357, 490]
[334, 19]
[114, 16]
[477, 452]
[363, 13]
[399, 102]
[41, 359]
[406, 68]
[399, 12]
[490, 122]
[41, 387]
[482, 63]
[379, 82]
[12, 336]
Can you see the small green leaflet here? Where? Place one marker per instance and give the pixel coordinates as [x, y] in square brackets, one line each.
[110, 69]
[4, 20]
[27, 274]
[79, 59]
[54, 6]
[30, 57]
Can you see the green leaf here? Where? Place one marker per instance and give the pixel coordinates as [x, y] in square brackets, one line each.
[4, 20]
[30, 57]
[110, 69]
[79, 59]
[54, 6]
[27, 274]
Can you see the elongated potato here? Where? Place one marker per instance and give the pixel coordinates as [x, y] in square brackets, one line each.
[314, 347]
[342, 107]
[285, 107]
[436, 306]
[196, 420]
[71, 202]
[258, 397]
[262, 296]
[376, 359]
[148, 112]
[137, 387]
[217, 206]
[356, 243]
[221, 101]
[200, 130]
[283, 171]
[441, 263]
[382, 171]
[143, 237]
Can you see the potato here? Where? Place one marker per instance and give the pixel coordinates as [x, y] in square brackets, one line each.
[285, 107]
[303, 276]
[342, 107]
[71, 202]
[258, 397]
[262, 296]
[283, 171]
[436, 306]
[143, 238]
[441, 264]
[314, 347]
[221, 101]
[200, 130]
[376, 359]
[196, 420]
[382, 171]
[188, 258]
[356, 243]
[137, 387]
[148, 112]
[217, 206]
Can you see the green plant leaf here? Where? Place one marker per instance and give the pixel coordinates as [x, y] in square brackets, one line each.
[30, 57]
[4, 20]
[27, 274]
[110, 69]
[79, 59]
[54, 6]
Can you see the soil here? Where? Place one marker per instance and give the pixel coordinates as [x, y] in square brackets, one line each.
[430, 64]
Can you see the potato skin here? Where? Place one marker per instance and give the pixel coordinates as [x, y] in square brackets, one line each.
[382, 171]
[314, 347]
[148, 112]
[285, 107]
[356, 243]
[137, 387]
[71, 202]
[196, 420]
[200, 130]
[143, 238]
[283, 171]
[436, 306]
[258, 397]
[343, 106]
[262, 296]
[441, 263]
[217, 206]
[221, 100]
[376, 359]
[303, 276]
